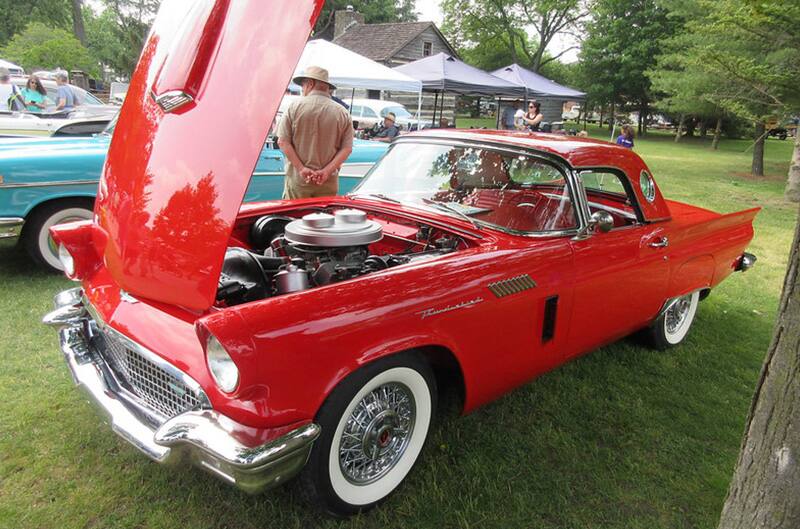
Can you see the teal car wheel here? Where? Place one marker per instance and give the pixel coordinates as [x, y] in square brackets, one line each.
[36, 233]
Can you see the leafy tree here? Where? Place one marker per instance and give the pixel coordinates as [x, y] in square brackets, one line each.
[686, 90]
[39, 46]
[748, 52]
[17, 14]
[486, 30]
[374, 11]
[623, 38]
[116, 36]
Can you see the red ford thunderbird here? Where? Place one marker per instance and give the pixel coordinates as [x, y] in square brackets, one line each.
[312, 336]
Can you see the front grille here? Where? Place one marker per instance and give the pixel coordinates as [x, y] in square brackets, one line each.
[152, 385]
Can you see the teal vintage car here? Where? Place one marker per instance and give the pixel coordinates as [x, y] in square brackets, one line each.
[47, 181]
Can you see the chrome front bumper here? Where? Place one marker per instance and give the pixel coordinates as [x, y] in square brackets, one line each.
[205, 437]
[10, 227]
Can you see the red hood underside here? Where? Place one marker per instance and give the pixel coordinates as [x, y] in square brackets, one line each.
[173, 181]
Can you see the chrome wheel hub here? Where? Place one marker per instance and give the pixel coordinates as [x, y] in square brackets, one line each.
[676, 314]
[377, 433]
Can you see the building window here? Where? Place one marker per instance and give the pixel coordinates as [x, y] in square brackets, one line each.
[426, 48]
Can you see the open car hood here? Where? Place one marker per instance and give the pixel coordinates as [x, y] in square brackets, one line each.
[197, 112]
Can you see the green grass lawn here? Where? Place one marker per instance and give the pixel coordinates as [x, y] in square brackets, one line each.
[623, 438]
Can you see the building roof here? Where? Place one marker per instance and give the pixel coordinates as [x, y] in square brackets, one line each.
[536, 84]
[444, 73]
[380, 42]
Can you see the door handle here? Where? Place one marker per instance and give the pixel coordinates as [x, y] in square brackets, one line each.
[271, 157]
[662, 242]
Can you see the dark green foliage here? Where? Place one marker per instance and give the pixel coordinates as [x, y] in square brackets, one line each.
[15, 15]
[42, 47]
[494, 33]
[623, 39]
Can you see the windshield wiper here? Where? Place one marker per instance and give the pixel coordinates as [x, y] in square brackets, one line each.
[444, 206]
[376, 195]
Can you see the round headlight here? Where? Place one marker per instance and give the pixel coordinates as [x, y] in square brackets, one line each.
[66, 260]
[221, 365]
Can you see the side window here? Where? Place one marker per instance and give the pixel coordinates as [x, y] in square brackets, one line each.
[369, 113]
[606, 191]
[527, 171]
[355, 110]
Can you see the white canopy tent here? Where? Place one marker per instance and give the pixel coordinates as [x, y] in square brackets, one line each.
[349, 69]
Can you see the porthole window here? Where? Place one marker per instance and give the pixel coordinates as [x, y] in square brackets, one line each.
[648, 186]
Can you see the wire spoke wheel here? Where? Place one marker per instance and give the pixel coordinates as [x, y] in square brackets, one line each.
[377, 432]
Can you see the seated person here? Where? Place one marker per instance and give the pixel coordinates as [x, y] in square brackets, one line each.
[388, 131]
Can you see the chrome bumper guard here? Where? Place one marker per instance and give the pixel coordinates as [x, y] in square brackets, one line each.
[10, 227]
[205, 438]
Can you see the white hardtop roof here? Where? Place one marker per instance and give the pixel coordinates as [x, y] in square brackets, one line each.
[349, 69]
[12, 68]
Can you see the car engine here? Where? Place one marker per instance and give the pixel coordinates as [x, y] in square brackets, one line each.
[291, 255]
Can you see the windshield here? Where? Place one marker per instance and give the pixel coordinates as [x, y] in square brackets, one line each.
[399, 111]
[512, 192]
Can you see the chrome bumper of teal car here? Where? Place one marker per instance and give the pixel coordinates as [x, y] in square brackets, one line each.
[10, 227]
[202, 436]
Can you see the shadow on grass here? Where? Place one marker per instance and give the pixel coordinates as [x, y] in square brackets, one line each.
[15, 262]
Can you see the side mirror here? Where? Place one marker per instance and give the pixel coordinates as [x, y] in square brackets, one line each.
[602, 221]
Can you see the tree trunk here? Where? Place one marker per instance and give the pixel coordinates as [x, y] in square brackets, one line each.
[611, 116]
[77, 21]
[601, 116]
[764, 490]
[717, 134]
[703, 129]
[679, 132]
[643, 116]
[758, 149]
[793, 184]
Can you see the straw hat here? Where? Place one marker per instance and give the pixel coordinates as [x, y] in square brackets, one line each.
[313, 72]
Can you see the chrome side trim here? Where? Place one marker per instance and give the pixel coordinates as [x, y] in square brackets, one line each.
[48, 184]
[11, 227]
[512, 285]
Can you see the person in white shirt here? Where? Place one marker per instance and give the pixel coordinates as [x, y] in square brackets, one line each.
[519, 117]
[10, 95]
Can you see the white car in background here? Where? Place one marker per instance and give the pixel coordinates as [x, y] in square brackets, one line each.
[370, 112]
[89, 116]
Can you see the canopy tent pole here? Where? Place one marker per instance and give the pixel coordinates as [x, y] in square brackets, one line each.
[497, 101]
[352, 95]
[435, 104]
[419, 110]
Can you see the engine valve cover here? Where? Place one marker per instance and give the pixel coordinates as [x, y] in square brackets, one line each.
[346, 227]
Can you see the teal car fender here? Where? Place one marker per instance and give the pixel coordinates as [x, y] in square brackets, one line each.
[45, 181]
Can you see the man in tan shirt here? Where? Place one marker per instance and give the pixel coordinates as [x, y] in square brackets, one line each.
[316, 135]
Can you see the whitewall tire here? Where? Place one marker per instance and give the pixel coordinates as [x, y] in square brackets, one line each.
[672, 326]
[374, 426]
[36, 232]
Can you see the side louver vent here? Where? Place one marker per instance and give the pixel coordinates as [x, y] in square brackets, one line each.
[512, 285]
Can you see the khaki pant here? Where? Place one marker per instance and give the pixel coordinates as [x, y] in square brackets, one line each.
[293, 189]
